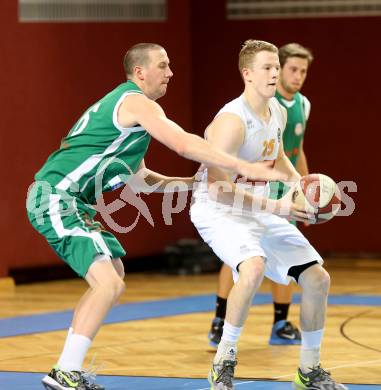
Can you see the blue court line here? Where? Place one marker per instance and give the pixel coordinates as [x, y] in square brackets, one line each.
[48, 322]
[31, 381]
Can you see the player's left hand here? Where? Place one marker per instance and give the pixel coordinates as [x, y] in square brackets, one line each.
[288, 209]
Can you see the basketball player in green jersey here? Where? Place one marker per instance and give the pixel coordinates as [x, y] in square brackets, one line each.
[295, 61]
[103, 149]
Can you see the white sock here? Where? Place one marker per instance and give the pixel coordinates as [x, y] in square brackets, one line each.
[74, 353]
[69, 333]
[231, 333]
[227, 348]
[310, 350]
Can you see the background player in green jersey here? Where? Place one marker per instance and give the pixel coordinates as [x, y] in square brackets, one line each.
[295, 61]
[102, 150]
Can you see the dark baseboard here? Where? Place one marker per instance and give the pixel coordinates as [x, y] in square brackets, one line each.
[24, 275]
[186, 256]
[177, 261]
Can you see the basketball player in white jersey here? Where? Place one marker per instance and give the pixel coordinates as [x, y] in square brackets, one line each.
[251, 240]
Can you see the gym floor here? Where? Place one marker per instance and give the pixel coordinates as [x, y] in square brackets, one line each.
[156, 338]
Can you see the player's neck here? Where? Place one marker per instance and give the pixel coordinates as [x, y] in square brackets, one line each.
[143, 88]
[285, 95]
[257, 103]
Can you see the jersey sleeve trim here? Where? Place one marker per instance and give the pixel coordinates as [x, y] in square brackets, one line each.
[122, 129]
[306, 107]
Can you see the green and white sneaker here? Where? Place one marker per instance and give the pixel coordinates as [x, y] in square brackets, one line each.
[317, 379]
[63, 380]
[221, 375]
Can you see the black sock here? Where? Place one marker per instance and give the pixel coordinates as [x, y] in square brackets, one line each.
[221, 307]
[280, 311]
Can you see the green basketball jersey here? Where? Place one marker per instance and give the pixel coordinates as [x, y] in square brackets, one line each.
[292, 136]
[98, 154]
[296, 124]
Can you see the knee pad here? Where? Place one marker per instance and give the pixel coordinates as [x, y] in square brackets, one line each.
[296, 270]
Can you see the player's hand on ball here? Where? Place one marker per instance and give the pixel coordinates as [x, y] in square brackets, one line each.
[314, 199]
[287, 208]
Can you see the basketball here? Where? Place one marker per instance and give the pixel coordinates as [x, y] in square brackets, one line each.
[318, 194]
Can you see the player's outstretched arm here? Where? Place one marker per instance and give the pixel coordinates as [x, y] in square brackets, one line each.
[151, 116]
[148, 181]
[185, 183]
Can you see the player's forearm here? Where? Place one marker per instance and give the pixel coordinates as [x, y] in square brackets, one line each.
[165, 182]
[185, 144]
[197, 149]
[301, 165]
[147, 181]
[228, 193]
[284, 165]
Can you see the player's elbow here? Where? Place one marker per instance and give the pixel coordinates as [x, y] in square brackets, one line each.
[181, 149]
[187, 145]
[180, 145]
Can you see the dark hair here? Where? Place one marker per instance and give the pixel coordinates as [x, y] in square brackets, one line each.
[294, 50]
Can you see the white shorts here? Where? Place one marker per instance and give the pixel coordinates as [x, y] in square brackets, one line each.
[235, 238]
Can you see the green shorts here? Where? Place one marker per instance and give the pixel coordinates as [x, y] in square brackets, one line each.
[67, 224]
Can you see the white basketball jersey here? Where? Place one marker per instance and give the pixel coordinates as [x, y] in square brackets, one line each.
[261, 140]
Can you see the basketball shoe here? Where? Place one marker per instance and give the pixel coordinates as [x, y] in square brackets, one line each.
[285, 333]
[221, 375]
[73, 380]
[215, 332]
[317, 379]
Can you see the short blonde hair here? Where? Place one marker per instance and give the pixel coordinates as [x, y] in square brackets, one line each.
[249, 50]
[138, 55]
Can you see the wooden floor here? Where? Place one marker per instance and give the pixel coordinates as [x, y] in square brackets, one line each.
[176, 346]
